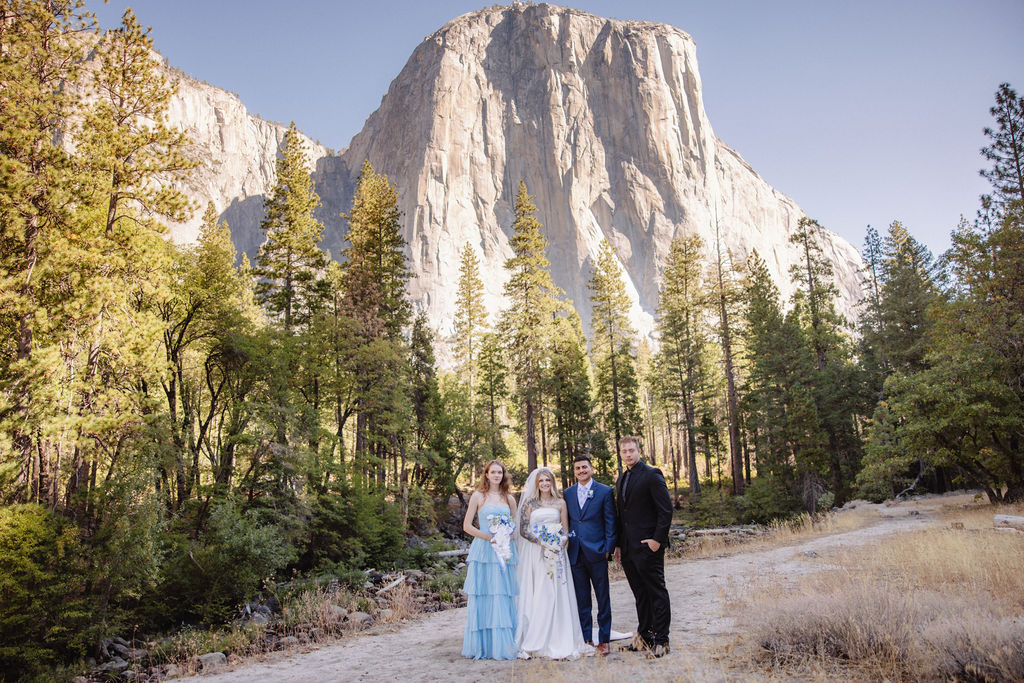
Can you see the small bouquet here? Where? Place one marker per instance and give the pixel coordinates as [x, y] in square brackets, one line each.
[550, 538]
[501, 528]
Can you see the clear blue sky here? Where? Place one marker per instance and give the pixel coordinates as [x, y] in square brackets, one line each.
[863, 112]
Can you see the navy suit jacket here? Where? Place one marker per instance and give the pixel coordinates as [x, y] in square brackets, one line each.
[593, 525]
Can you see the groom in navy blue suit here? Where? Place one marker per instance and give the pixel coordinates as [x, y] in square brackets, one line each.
[591, 507]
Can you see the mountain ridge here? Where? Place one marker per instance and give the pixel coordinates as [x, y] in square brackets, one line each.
[603, 118]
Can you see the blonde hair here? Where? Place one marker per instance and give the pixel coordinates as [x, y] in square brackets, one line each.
[534, 494]
[634, 439]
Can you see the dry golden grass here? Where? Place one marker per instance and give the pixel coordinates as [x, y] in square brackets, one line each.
[777, 534]
[937, 604]
[402, 603]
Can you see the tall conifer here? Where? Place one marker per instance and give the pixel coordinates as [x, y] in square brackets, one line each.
[683, 333]
[291, 264]
[612, 342]
[534, 301]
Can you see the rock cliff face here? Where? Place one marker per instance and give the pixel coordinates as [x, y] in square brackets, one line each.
[603, 119]
[237, 154]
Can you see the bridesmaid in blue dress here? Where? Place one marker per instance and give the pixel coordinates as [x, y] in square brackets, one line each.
[491, 578]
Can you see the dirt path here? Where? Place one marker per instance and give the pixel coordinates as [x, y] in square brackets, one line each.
[429, 648]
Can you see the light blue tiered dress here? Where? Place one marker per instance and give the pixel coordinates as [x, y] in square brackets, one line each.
[491, 589]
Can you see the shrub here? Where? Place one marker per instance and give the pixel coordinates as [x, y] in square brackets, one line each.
[353, 528]
[207, 577]
[767, 499]
[44, 613]
[715, 507]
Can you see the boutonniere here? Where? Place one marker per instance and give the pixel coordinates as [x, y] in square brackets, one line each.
[590, 494]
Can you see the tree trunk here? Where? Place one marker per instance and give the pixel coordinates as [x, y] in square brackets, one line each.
[543, 435]
[531, 438]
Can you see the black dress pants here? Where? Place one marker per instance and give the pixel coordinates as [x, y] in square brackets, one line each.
[645, 572]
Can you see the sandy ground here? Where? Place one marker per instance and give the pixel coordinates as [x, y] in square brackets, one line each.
[429, 647]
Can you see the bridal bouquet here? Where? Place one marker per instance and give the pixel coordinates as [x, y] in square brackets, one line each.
[551, 547]
[501, 528]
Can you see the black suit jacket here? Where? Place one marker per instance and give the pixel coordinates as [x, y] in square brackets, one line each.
[646, 509]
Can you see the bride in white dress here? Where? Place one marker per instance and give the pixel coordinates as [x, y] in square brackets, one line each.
[549, 621]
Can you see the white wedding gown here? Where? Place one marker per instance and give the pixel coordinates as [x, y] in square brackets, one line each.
[549, 620]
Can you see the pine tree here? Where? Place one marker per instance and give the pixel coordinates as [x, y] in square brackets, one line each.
[373, 279]
[814, 275]
[1007, 149]
[838, 388]
[375, 274]
[683, 336]
[128, 157]
[291, 263]
[534, 302]
[40, 54]
[568, 386]
[493, 389]
[781, 413]
[470, 319]
[965, 408]
[869, 321]
[908, 290]
[612, 342]
[726, 294]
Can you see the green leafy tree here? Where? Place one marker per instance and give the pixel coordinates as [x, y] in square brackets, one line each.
[209, 298]
[612, 341]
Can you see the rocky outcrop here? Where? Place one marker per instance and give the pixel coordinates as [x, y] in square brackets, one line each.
[603, 119]
[237, 153]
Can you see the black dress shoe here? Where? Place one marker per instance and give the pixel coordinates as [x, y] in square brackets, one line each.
[659, 650]
[636, 645]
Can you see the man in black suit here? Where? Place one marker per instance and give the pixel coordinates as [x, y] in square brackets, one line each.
[645, 514]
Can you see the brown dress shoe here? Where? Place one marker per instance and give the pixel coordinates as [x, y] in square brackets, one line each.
[603, 648]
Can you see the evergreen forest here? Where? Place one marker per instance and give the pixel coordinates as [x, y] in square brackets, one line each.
[180, 427]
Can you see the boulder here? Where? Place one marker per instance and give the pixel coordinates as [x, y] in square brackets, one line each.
[114, 665]
[212, 661]
[359, 619]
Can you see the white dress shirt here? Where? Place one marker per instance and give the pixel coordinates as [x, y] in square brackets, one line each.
[581, 492]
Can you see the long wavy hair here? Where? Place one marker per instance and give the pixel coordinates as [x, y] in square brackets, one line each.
[531, 491]
[484, 485]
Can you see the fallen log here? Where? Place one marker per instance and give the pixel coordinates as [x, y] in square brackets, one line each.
[391, 585]
[1008, 522]
[453, 553]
